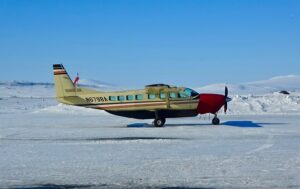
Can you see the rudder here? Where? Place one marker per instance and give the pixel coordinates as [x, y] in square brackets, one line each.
[64, 86]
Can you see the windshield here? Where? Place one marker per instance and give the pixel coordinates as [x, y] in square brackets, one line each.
[190, 92]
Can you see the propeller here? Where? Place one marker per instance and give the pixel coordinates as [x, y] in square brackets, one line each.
[226, 99]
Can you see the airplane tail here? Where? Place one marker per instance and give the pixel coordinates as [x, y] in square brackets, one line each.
[64, 86]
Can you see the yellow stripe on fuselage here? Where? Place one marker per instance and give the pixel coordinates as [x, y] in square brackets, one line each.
[140, 105]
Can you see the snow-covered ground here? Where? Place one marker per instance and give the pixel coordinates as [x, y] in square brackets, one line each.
[45, 144]
[50, 148]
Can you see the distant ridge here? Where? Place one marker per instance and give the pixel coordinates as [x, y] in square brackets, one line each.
[83, 83]
[26, 89]
[25, 83]
[275, 84]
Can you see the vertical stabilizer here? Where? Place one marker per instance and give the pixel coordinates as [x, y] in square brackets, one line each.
[64, 86]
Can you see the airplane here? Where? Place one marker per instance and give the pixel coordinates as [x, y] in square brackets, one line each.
[155, 101]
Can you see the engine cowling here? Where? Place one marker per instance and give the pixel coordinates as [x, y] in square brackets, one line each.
[210, 103]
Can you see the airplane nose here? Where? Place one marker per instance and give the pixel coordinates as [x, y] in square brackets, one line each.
[210, 103]
[228, 99]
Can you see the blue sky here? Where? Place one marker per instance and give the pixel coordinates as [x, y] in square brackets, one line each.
[132, 43]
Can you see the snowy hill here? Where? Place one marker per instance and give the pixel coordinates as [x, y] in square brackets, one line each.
[275, 84]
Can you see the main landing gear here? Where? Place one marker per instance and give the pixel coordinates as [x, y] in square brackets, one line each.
[159, 122]
[215, 120]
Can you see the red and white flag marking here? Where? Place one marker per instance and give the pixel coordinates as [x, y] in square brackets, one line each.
[76, 79]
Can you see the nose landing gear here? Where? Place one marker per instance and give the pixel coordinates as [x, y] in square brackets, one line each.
[215, 120]
[159, 122]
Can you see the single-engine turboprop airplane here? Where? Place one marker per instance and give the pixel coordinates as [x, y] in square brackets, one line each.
[157, 101]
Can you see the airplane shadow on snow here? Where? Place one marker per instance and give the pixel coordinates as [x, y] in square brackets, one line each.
[244, 124]
[248, 124]
[146, 125]
[241, 124]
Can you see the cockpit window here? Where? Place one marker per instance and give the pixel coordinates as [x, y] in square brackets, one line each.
[190, 92]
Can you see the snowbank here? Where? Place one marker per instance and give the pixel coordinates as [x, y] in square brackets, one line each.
[274, 103]
[66, 109]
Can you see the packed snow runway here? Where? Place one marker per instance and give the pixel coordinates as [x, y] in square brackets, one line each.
[92, 149]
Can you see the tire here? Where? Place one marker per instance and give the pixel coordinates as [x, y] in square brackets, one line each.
[160, 122]
[216, 121]
[164, 120]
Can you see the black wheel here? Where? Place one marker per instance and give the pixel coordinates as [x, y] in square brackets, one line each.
[216, 121]
[159, 122]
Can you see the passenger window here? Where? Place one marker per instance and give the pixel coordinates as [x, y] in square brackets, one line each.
[121, 98]
[129, 97]
[139, 97]
[162, 95]
[151, 96]
[173, 95]
[182, 95]
[112, 98]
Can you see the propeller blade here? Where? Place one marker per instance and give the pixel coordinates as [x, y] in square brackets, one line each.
[225, 99]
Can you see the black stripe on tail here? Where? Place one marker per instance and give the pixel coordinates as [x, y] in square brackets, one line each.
[58, 66]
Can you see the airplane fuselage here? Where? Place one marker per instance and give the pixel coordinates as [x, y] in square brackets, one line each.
[164, 100]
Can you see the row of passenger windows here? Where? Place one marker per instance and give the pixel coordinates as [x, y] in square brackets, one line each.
[150, 96]
[128, 97]
[186, 93]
